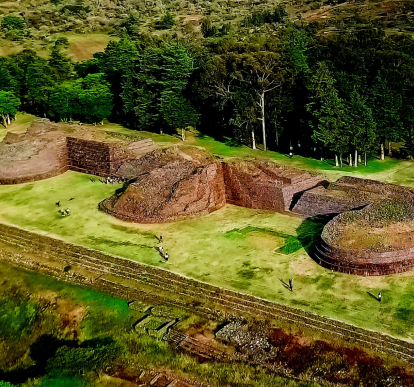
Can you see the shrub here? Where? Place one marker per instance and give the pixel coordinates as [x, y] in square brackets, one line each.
[90, 356]
[16, 318]
[166, 22]
[258, 18]
[11, 22]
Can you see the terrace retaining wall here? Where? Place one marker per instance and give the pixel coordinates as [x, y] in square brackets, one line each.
[362, 263]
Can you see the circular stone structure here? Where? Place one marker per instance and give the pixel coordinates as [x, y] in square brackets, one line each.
[376, 240]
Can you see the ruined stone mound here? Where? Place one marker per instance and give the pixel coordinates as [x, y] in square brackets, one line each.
[375, 240]
[173, 184]
[265, 185]
[48, 149]
[347, 193]
[178, 182]
[36, 154]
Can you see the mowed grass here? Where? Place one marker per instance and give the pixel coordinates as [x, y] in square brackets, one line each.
[388, 170]
[81, 46]
[19, 125]
[246, 250]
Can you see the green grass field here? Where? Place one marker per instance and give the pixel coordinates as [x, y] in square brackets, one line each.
[22, 122]
[242, 249]
[239, 248]
[81, 46]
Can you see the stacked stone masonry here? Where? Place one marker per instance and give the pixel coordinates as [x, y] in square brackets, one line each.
[350, 193]
[178, 290]
[265, 185]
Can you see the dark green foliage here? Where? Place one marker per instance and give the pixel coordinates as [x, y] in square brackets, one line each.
[167, 22]
[156, 79]
[95, 98]
[13, 23]
[177, 110]
[62, 381]
[258, 18]
[208, 30]
[14, 27]
[324, 95]
[63, 101]
[61, 66]
[92, 355]
[131, 25]
[16, 318]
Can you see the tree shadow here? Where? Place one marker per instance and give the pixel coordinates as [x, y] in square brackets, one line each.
[310, 230]
[374, 297]
[41, 351]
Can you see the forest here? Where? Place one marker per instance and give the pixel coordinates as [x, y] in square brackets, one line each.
[293, 88]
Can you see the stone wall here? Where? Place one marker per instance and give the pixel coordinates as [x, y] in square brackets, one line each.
[264, 185]
[363, 263]
[88, 156]
[320, 201]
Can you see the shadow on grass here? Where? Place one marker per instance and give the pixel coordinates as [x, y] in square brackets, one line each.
[310, 230]
[44, 350]
[374, 297]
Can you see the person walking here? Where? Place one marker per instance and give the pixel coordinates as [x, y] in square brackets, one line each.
[166, 256]
[379, 296]
[161, 249]
[68, 211]
[291, 284]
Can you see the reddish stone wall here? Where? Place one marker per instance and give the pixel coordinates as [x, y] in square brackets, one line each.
[31, 178]
[264, 186]
[88, 156]
[362, 263]
[246, 190]
[320, 201]
[168, 193]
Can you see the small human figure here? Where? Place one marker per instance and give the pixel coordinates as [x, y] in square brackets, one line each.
[290, 284]
[92, 180]
[166, 256]
[379, 296]
[62, 212]
[67, 211]
[58, 203]
[161, 249]
[160, 239]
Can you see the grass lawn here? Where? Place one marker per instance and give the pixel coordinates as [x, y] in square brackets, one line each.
[389, 170]
[242, 249]
[20, 124]
[81, 46]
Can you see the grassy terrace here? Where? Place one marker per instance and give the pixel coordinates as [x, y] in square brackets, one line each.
[81, 46]
[242, 249]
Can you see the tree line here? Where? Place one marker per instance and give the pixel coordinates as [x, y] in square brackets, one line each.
[295, 90]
